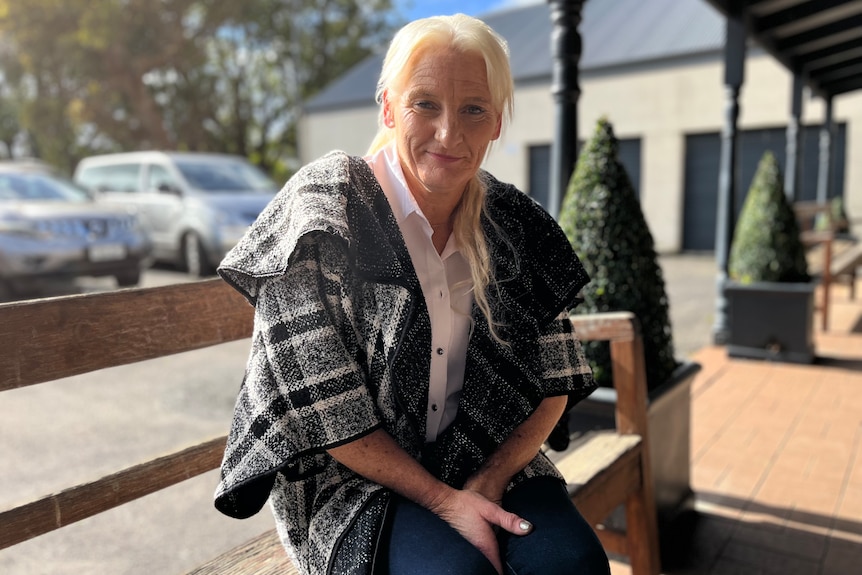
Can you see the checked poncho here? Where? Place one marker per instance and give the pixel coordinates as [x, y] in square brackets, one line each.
[341, 347]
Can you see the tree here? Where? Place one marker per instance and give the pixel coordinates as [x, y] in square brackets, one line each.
[38, 53]
[603, 220]
[283, 53]
[766, 243]
[203, 75]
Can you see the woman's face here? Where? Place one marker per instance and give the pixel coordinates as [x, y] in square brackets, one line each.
[443, 120]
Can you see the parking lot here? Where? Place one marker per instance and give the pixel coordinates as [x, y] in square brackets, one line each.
[78, 429]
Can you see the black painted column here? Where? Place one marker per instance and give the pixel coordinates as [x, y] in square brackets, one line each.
[794, 142]
[566, 53]
[734, 66]
[825, 165]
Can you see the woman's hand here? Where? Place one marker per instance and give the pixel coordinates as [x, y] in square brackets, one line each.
[473, 511]
[379, 458]
[476, 519]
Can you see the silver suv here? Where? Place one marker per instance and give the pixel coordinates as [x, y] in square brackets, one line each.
[50, 230]
[194, 206]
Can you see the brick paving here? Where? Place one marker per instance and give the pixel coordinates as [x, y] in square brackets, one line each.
[777, 458]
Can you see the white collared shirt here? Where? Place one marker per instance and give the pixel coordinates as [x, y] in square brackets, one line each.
[447, 287]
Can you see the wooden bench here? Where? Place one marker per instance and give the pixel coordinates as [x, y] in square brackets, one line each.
[832, 256]
[50, 339]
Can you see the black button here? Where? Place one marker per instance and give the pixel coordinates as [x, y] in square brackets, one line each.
[439, 351]
[433, 407]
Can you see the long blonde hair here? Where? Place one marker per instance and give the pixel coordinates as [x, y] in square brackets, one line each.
[468, 35]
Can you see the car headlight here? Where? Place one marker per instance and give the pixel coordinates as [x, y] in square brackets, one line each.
[23, 228]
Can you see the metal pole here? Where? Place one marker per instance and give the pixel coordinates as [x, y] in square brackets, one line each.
[824, 168]
[794, 142]
[566, 53]
[734, 65]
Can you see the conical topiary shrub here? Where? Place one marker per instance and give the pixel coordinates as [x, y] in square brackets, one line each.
[602, 217]
[766, 245]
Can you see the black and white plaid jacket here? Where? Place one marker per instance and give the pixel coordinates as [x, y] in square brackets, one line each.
[341, 347]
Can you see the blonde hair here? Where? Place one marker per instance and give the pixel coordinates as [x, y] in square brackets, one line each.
[467, 35]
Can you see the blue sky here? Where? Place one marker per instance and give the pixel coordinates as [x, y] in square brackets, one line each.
[413, 9]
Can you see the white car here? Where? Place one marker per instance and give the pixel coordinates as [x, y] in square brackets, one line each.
[194, 206]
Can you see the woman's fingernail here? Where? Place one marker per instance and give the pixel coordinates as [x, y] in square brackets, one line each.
[525, 525]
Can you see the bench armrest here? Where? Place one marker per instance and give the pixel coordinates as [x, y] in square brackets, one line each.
[622, 331]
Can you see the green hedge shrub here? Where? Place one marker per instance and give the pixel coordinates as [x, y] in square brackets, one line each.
[602, 217]
[766, 246]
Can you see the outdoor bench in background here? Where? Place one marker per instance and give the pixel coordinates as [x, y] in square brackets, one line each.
[49, 339]
[832, 256]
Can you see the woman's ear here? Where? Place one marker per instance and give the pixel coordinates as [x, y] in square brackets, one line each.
[388, 116]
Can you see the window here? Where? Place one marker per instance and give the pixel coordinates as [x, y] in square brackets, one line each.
[540, 167]
[116, 178]
[159, 178]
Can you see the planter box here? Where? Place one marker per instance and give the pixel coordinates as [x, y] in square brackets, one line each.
[669, 420]
[770, 320]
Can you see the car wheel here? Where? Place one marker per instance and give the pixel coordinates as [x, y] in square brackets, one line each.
[128, 279]
[194, 257]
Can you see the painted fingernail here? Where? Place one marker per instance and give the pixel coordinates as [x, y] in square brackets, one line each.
[525, 525]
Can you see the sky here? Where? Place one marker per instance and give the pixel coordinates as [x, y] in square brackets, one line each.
[421, 8]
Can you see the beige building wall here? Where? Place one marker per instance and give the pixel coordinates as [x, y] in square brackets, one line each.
[658, 103]
[348, 130]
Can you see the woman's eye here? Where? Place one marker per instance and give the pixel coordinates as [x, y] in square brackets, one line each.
[425, 105]
[475, 110]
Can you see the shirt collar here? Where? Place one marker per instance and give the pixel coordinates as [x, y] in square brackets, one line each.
[387, 169]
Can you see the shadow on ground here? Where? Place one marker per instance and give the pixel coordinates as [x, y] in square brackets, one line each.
[783, 540]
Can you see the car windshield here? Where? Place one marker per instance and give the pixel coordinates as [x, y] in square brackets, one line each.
[42, 187]
[225, 176]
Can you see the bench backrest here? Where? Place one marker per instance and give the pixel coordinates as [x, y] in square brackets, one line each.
[49, 339]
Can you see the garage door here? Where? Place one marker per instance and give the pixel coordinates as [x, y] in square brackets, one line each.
[540, 167]
[702, 154]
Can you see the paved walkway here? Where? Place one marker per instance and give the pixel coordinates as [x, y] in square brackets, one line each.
[777, 458]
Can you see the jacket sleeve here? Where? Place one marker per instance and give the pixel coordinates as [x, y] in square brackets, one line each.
[564, 367]
[304, 390]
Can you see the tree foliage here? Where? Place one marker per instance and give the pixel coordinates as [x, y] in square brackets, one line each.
[766, 244]
[602, 218]
[200, 75]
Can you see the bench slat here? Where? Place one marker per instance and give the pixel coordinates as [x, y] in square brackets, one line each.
[83, 501]
[609, 326]
[44, 340]
[592, 472]
[847, 260]
[263, 555]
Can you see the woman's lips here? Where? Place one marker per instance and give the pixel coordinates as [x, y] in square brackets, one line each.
[444, 157]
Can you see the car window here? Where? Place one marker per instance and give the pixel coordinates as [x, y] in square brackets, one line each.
[113, 178]
[34, 186]
[159, 178]
[226, 175]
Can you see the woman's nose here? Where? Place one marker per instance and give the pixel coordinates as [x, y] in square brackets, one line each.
[448, 128]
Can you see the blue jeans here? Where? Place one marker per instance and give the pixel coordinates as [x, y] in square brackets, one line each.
[417, 542]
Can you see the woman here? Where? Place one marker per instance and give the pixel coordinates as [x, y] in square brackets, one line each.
[411, 351]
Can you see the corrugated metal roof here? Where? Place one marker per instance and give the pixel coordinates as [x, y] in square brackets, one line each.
[613, 33]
